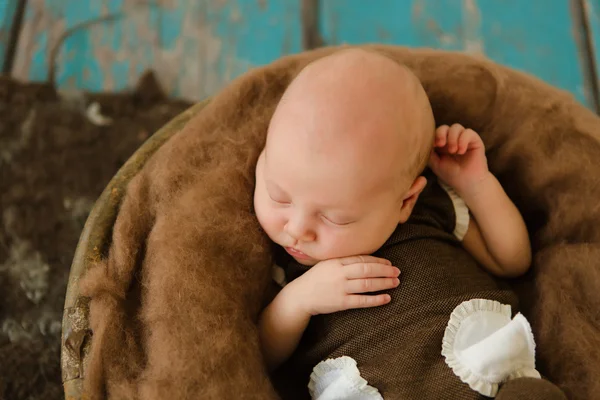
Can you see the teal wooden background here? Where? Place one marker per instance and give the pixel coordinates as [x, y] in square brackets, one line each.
[8, 10]
[197, 46]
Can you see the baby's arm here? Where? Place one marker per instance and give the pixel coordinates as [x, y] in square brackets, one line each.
[329, 286]
[497, 236]
[281, 326]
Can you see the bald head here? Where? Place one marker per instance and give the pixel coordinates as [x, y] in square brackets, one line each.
[359, 109]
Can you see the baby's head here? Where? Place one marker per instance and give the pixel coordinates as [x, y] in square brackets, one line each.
[345, 147]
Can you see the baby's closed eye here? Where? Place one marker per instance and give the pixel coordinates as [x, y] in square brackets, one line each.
[279, 200]
[336, 221]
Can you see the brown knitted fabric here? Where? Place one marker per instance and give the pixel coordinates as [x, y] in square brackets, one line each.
[530, 389]
[398, 346]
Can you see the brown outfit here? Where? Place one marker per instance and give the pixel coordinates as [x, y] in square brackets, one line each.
[398, 346]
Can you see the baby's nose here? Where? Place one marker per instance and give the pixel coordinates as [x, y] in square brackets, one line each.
[300, 230]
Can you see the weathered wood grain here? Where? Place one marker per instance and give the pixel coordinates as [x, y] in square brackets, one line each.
[535, 36]
[310, 24]
[195, 46]
[591, 13]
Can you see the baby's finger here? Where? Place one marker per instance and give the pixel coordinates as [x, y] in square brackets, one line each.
[365, 301]
[370, 270]
[466, 137]
[370, 285]
[434, 160]
[441, 134]
[453, 134]
[363, 259]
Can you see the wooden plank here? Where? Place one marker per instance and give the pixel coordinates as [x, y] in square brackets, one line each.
[535, 36]
[590, 10]
[8, 11]
[195, 46]
[310, 24]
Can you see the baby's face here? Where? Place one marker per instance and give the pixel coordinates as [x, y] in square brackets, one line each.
[318, 210]
[328, 184]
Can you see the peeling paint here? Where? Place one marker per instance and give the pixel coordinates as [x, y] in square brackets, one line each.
[531, 36]
[235, 15]
[195, 47]
[8, 11]
[472, 41]
[417, 10]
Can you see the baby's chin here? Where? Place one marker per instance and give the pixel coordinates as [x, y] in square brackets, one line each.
[307, 263]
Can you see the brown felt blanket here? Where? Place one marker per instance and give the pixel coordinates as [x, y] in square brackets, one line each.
[175, 304]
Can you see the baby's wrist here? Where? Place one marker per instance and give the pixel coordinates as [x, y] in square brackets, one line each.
[294, 301]
[477, 189]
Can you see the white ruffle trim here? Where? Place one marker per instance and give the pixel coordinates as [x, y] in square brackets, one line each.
[485, 348]
[461, 211]
[339, 378]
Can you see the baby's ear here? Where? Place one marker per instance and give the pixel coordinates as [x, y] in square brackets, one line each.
[410, 198]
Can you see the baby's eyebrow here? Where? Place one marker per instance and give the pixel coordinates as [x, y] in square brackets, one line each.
[341, 214]
[340, 211]
[276, 187]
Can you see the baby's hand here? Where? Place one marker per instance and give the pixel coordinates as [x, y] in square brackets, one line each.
[336, 285]
[458, 158]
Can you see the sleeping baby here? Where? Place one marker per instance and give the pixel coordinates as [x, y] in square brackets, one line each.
[393, 236]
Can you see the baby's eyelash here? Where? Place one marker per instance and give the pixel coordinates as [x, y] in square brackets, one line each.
[335, 223]
[279, 202]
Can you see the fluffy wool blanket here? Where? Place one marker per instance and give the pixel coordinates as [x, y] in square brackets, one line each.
[174, 304]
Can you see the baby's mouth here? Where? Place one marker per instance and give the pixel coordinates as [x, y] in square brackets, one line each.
[297, 254]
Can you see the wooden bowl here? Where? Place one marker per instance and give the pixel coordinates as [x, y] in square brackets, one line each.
[94, 242]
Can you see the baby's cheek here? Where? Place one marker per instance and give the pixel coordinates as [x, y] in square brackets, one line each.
[335, 243]
[261, 212]
[353, 242]
[269, 219]
[273, 223]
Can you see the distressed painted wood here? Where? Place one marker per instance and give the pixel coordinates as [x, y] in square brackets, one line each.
[195, 46]
[8, 9]
[535, 36]
[591, 10]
